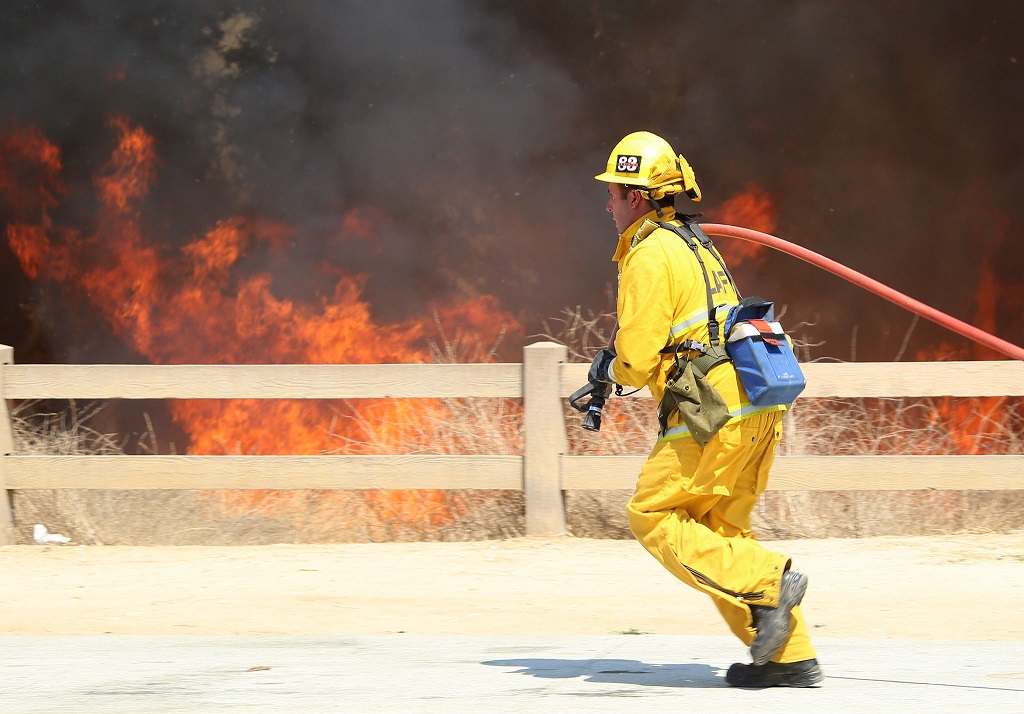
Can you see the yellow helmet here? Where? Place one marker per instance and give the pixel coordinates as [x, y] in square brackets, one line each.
[646, 160]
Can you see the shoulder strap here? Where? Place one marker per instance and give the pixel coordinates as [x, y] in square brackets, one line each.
[690, 237]
[702, 237]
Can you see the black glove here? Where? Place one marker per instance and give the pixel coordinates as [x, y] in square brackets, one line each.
[601, 368]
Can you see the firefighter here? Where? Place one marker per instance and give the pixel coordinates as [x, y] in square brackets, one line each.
[695, 493]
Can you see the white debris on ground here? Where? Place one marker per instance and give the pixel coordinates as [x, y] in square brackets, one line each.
[43, 537]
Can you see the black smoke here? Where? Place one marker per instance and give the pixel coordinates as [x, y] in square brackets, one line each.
[887, 133]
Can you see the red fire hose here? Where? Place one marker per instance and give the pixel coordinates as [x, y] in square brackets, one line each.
[929, 313]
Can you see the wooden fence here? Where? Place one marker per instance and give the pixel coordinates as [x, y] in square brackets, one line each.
[543, 380]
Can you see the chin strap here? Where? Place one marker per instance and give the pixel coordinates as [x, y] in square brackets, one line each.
[657, 208]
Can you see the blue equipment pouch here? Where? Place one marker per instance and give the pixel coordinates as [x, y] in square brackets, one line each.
[761, 352]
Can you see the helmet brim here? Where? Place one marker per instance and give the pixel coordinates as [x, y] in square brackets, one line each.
[609, 177]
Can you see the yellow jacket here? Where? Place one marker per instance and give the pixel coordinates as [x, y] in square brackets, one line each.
[662, 300]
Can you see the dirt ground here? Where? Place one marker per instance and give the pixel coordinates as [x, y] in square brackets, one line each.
[956, 587]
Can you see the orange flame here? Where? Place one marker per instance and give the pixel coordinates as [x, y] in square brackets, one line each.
[752, 209]
[359, 221]
[986, 301]
[128, 173]
[30, 168]
[194, 306]
[974, 425]
[30, 181]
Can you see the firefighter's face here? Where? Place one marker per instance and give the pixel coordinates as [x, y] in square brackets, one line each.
[623, 205]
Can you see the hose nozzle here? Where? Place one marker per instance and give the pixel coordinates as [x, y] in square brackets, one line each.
[598, 393]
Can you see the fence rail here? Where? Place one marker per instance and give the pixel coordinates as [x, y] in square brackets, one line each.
[543, 472]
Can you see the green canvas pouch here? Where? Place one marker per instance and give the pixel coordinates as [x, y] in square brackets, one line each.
[699, 404]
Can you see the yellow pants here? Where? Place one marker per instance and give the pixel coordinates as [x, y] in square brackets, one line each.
[691, 510]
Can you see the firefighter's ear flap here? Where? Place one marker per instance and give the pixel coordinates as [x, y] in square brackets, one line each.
[690, 187]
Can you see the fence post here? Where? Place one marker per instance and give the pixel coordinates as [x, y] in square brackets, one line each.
[545, 439]
[6, 449]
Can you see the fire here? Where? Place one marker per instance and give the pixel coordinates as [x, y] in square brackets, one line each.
[976, 425]
[30, 182]
[131, 169]
[195, 305]
[359, 221]
[986, 301]
[30, 168]
[31, 246]
[754, 209]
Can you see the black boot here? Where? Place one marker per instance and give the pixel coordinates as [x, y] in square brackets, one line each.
[772, 623]
[794, 674]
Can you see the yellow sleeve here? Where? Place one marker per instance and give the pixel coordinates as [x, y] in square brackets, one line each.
[644, 313]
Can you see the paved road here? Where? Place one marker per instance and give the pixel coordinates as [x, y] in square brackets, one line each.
[414, 674]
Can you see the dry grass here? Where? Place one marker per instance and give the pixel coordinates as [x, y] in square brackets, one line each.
[85, 515]
[229, 517]
[38, 432]
[494, 426]
[975, 425]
